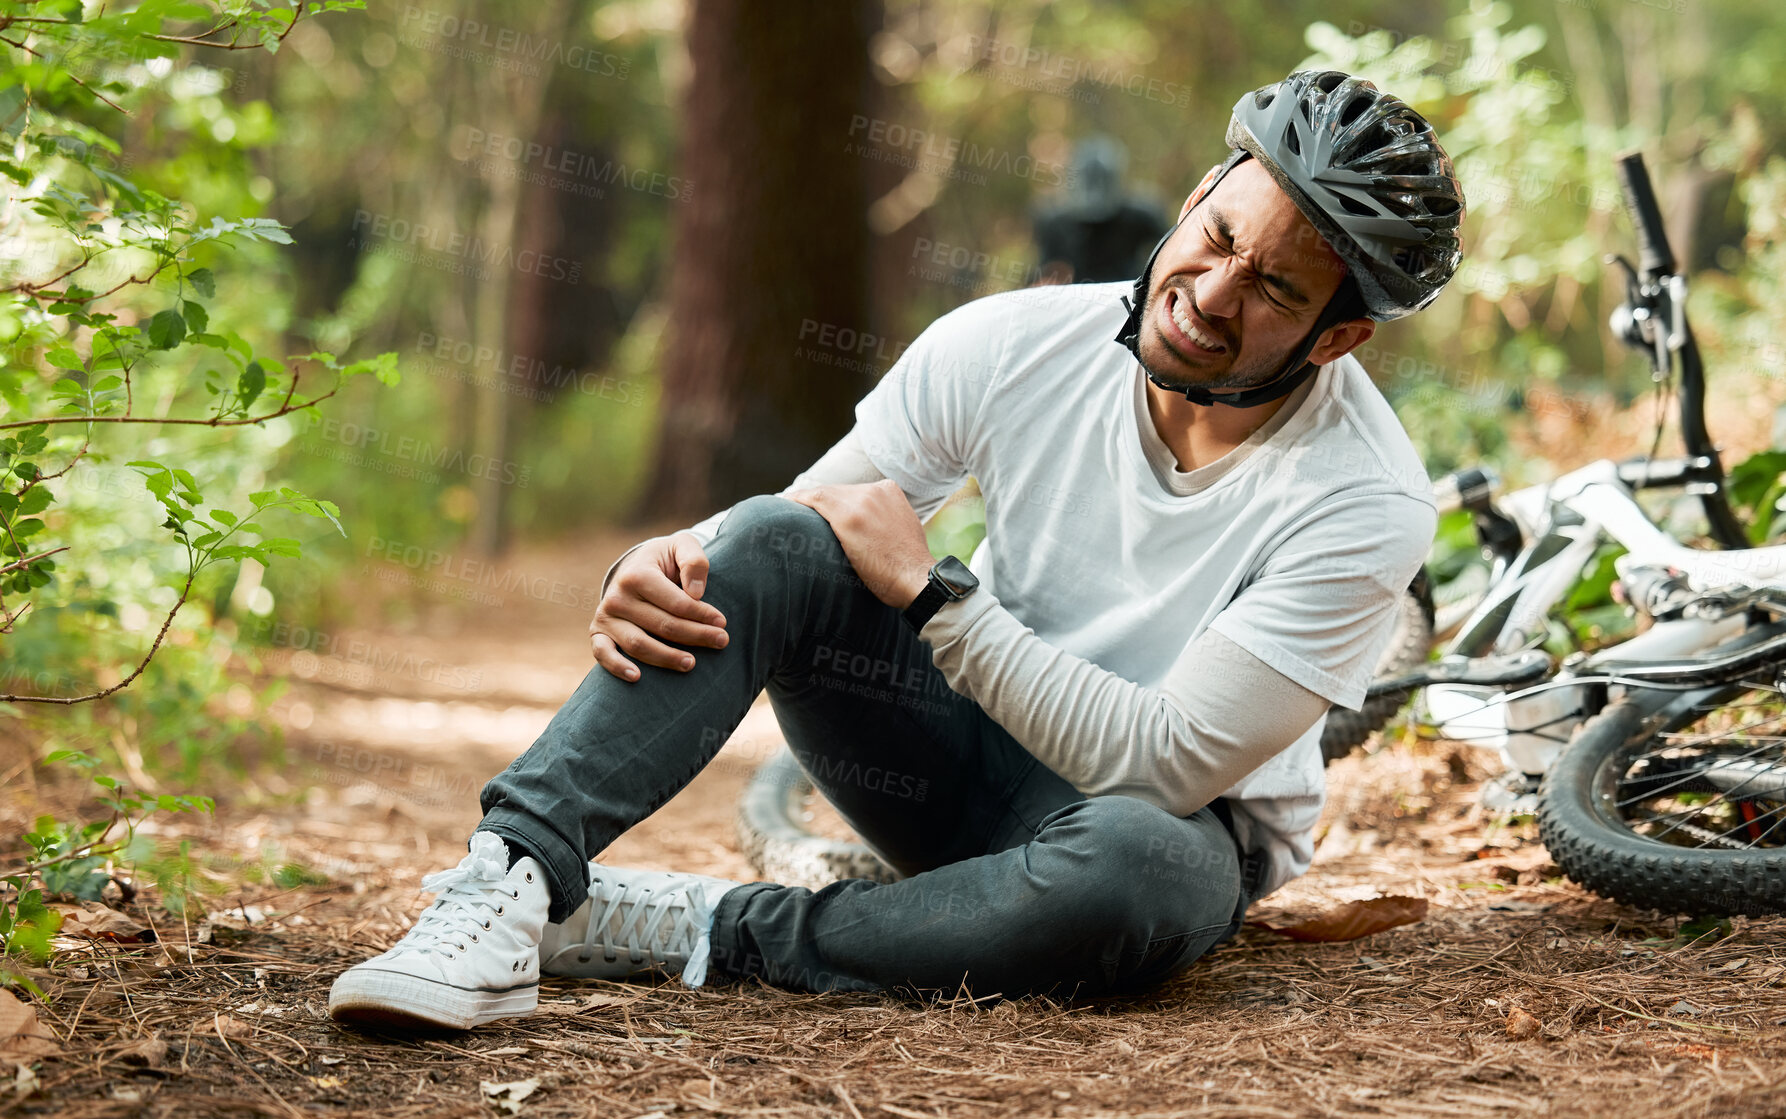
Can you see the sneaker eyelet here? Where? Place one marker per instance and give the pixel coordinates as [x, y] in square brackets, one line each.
[516, 895]
[486, 925]
[474, 938]
[499, 911]
[530, 876]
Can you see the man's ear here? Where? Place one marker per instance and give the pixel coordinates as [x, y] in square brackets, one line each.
[1204, 187]
[1341, 339]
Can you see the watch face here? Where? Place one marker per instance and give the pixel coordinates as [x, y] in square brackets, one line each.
[954, 575]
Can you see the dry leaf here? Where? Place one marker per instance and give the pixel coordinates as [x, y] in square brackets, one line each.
[22, 1036]
[147, 1051]
[1521, 1024]
[1355, 919]
[506, 1098]
[97, 922]
[231, 1027]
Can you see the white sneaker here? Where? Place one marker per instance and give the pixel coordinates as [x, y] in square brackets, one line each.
[637, 921]
[471, 957]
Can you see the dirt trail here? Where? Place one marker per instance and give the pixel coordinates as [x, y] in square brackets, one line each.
[1518, 993]
[403, 727]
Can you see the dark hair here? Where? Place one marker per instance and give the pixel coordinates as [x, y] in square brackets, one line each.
[1347, 302]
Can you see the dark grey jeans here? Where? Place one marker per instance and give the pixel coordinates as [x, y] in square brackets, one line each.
[1014, 881]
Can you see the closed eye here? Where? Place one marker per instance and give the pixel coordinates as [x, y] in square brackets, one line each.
[1226, 248]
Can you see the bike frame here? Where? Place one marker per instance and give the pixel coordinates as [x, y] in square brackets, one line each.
[1564, 523]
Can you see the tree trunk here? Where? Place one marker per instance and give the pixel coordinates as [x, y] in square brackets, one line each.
[513, 106]
[769, 292]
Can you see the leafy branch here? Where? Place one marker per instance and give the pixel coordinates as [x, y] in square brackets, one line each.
[205, 539]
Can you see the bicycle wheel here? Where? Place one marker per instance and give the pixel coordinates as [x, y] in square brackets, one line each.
[780, 848]
[1682, 810]
[1347, 730]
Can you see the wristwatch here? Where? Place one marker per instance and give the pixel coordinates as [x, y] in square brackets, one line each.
[949, 580]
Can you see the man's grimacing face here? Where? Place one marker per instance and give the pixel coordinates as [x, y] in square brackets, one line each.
[1239, 284]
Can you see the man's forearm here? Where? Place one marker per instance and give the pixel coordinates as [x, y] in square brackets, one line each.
[1221, 713]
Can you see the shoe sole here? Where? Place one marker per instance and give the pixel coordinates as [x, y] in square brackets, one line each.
[568, 965]
[393, 1000]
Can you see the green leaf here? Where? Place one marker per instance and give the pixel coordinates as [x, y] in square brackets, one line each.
[197, 318]
[64, 357]
[156, 477]
[250, 384]
[224, 517]
[383, 367]
[203, 282]
[109, 384]
[35, 500]
[166, 329]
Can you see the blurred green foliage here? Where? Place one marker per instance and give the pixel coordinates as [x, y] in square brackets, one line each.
[134, 384]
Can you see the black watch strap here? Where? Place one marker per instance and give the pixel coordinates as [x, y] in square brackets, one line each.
[925, 606]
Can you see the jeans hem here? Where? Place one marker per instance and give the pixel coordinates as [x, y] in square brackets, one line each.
[725, 955]
[567, 873]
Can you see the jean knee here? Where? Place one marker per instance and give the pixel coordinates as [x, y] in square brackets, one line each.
[1147, 869]
[781, 530]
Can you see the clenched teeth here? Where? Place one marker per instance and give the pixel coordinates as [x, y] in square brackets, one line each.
[1184, 323]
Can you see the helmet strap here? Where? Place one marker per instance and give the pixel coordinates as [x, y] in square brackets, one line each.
[1130, 334]
[1344, 305]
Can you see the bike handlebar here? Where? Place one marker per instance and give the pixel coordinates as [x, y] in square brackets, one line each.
[1656, 259]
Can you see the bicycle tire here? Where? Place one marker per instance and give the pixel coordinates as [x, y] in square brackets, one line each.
[1592, 838]
[780, 848]
[1408, 649]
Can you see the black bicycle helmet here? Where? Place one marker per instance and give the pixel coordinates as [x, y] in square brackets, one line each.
[1368, 173]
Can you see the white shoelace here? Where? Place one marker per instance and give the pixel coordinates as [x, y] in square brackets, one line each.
[453, 922]
[646, 911]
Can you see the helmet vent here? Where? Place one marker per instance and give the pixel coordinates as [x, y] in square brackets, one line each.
[1293, 141]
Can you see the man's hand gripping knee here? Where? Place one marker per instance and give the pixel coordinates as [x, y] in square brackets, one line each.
[653, 599]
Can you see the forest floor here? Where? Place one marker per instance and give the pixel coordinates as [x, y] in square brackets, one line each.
[1517, 993]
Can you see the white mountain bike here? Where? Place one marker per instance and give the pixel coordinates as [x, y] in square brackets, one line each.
[1657, 766]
